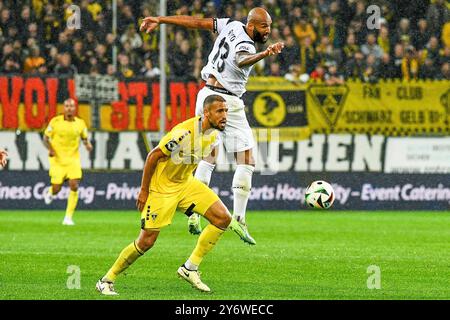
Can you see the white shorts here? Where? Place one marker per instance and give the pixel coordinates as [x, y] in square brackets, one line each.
[238, 135]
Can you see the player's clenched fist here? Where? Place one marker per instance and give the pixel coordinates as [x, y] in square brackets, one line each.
[149, 24]
[275, 48]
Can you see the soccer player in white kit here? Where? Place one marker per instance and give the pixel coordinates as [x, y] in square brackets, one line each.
[226, 73]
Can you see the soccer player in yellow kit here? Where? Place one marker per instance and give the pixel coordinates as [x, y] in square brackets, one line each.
[168, 183]
[62, 139]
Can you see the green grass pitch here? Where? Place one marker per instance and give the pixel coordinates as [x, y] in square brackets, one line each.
[299, 255]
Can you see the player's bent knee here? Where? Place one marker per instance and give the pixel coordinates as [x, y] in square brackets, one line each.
[147, 239]
[74, 184]
[56, 188]
[218, 215]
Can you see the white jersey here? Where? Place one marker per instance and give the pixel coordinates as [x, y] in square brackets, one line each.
[222, 63]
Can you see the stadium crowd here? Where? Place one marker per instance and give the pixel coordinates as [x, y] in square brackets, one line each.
[326, 39]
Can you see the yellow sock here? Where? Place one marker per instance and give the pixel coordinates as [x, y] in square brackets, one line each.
[71, 203]
[207, 240]
[126, 258]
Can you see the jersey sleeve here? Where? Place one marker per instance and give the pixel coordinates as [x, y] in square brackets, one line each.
[84, 130]
[246, 46]
[219, 24]
[173, 141]
[49, 130]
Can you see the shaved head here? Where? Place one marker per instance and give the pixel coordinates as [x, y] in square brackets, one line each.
[258, 24]
[69, 101]
[69, 108]
[259, 14]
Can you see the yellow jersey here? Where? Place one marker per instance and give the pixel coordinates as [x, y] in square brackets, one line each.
[185, 145]
[65, 138]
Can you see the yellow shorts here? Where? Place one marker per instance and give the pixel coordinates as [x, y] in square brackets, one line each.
[160, 208]
[59, 173]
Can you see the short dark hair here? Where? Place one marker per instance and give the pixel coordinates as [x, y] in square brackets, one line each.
[211, 99]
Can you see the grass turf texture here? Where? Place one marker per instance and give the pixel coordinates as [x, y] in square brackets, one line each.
[299, 255]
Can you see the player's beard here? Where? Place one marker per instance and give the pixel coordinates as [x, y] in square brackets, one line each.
[215, 126]
[258, 37]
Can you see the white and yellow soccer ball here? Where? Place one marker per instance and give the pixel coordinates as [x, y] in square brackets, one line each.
[319, 194]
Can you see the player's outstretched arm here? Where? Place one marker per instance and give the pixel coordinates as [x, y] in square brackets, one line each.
[149, 168]
[151, 23]
[245, 59]
[3, 157]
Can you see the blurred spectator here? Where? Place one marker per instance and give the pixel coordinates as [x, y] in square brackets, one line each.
[386, 68]
[34, 61]
[10, 65]
[63, 44]
[303, 29]
[325, 51]
[291, 54]
[125, 69]
[181, 64]
[111, 71]
[308, 56]
[437, 15]
[65, 66]
[421, 35]
[445, 72]
[333, 76]
[397, 60]
[79, 58]
[431, 50]
[444, 55]
[102, 59]
[148, 70]
[52, 59]
[354, 67]
[428, 69]
[324, 32]
[350, 47]
[329, 30]
[132, 37]
[384, 40]
[275, 69]
[318, 74]
[403, 33]
[51, 25]
[5, 20]
[370, 73]
[410, 64]
[371, 47]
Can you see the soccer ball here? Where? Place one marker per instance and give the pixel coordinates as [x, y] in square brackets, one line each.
[319, 195]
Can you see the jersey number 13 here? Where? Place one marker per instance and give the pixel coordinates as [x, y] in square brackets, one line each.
[223, 55]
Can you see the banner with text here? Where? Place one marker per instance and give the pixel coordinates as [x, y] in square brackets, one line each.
[389, 107]
[28, 103]
[285, 191]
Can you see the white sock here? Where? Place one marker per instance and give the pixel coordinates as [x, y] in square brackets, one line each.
[190, 266]
[242, 184]
[204, 171]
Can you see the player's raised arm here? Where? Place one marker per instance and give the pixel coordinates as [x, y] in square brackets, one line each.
[151, 23]
[245, 59]
[149, 168]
